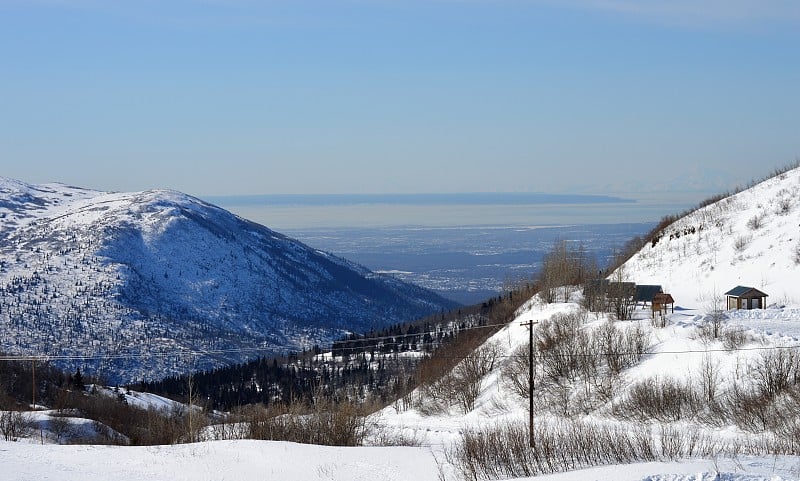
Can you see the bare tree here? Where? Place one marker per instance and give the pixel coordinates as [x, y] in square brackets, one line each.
[515, 372]
[715, 314]
[562, 268]
[469, 374]
[15, 425]
[709, 379]
[621, 295]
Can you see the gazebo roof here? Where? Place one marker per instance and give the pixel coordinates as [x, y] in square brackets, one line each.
[663, 298]
[745, 292]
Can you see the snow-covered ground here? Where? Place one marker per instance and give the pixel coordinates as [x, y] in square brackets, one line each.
[727, 247]
[216, 460]
[279, 461]
[243, 460]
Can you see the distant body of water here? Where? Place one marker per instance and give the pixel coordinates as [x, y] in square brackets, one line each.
[464, 246]
[282, 212]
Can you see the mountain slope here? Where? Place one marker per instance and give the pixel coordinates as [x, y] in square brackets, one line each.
[751, 238]
[723, 381]
[146, 280]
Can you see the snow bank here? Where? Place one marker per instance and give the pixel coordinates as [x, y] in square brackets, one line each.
[217, 460]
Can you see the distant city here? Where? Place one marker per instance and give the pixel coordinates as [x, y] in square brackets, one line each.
[467, 247]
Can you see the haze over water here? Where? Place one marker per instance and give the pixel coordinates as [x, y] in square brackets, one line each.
[286, 213]
[464, 246]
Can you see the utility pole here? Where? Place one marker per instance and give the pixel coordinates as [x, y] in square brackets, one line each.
[33, 381]
[530, 325]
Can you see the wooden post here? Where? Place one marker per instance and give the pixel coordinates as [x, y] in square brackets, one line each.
[190, 381]
[530, 325]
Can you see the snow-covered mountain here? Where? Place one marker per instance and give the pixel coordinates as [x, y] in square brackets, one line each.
[751, 238]
[149, 283]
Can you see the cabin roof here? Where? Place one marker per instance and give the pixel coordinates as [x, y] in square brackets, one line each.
[745, 292]
[646, 292]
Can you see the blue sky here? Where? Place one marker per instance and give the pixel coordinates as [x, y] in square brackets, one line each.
[381, 96]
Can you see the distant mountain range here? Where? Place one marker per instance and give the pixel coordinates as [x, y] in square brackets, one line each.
[138, 285]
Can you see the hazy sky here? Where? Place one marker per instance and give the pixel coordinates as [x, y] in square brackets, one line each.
[404, 96]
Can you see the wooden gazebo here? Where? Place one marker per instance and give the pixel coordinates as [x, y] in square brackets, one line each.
[662, 302]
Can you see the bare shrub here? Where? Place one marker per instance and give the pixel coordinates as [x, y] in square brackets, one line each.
[713, 322]
[756, 222]
[796, 254]
[504, 451]
[462, 385]
[741, 243]
[383, 436]
[60, 427]
[515, 374]
[594, 292]
[106, 435]
[121, 423]
[15, 425]
[734, 337]
[788, 430]
[227, 428]
[557, 398]
[671, 440]
[558, 345]
[750, 410]
[323, 422]
[562, 267]
[622, 348]
[775, 371]
[435, 374]
[665, 400]
[468, 375]
[784, 206]
[437, 396]
[578, 366]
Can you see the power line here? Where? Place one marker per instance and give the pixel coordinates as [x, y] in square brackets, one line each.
[398, 341]
[239, 350]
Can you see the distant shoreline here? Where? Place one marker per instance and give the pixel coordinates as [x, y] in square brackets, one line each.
[478, 198]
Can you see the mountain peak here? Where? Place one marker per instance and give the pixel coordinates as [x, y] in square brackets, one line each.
[135, 281]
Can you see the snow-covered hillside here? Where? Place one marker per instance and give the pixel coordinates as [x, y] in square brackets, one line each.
[751, 239]
[693, 397]
[707, 385]
[148, 283]
[436, 434]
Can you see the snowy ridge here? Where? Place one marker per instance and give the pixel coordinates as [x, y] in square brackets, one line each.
[150, 280]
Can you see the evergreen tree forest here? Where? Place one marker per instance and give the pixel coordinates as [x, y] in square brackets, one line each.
[376, 367]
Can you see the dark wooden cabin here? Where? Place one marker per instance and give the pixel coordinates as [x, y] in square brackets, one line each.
[743, 297]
